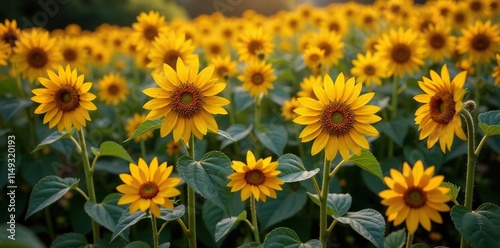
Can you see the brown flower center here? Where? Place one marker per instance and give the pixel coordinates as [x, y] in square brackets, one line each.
[476, 6]
[442, 107]
[170, 58]
[337, 118]
[395, 9]
[368, 20]
[187, 100]
[150, 32]
[221, 71]
[69, 55]
[437, 41]
[66, 98]
[401, 53]
[148, 190]
[459, 17]
[414, 197]
[227, 33]
[10, 38]
[255, 177]
[325, 47]
[257, 78]
[293, 24]
[444, 11]
[113, 89]
[425, 25]
[254, 47]
[334, 27]
[314, 58]
[480, 42]
[215, 49]
[369, 70]
[37, 58]
[493, 6]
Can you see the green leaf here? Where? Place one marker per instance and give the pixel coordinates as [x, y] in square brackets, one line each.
[226, 135]
[286, 237]
[274, 138]
[172, 214]
[225, 225]
[53, 137]
[242, 100]
[396, 129]
[47, 191]
[489, 122]
[480, 228]
[107, 213]
[279, 94]
[396, 239]
[237, 132]
[251, 245]
[164, 245]
[146, 126]
[127, 220]
[212, 214]
[70, 240]
[337, 204]
[208, 177]
[293, 170]
[11, 106]
[367, 162]
[137, 244]
[369, 223]
[110, 148]
[419, 245]
[454, 190]
[24, 237]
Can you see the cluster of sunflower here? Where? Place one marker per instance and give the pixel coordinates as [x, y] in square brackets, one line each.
[333, 70]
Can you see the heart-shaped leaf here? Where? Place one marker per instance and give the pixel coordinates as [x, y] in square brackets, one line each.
[48, 190]
[480, 228]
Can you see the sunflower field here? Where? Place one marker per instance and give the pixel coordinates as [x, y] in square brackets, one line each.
[347, 125]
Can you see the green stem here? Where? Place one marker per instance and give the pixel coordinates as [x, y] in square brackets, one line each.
[191, 203]
[257, 123]
[48, 220]
[143, 148]
[20, 86]
[82, 193]
[409, 240]
[323, 198]
[162, 227]
[337, 168]
[89, 180]
[119, 127]
[155, 231]
[480, 146]
[330, 228]
[255, 226]
[394, 111]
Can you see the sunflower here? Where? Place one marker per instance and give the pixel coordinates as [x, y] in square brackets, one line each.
[367, 69]
[65, 100]
[337, 24]
[173, 148]
[313, 58]
[187, 99]
[415, 196]
[132, 125]
[477, 8]
[339, 119]
[288, 107]
[496, 71]
[481, 41]
[224, 67]
[254, 43]
[424, 18]
[256, 177]
[401, 51]
[73, 53]
[460, 16]
[113, 89]
[292, 23]
[371, 42]
[214, 46]
[257, 77]
[166, 49]
[147, 188]
[439, 43]
[147, 28]
[307, 86]
[9, 33]
[368, 19]
[439, 117]
[4, 52]
[35, 53]
[331, 44]
[101, 55]
[442, 7]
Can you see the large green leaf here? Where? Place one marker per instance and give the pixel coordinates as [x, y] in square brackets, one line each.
[208, 177]
[70, 240]
[367, 162]
[396, 129]
[420, 245]
[237, 132]
[369, 223]
[107, 213]
[489, 122]
[288, 202]
[337, 205]
[110, 148]
[396, 239]
[242, 100]
[212, 214]
[10, 107]
[137, 244]
[286, 237]
[127, 220]
[144, 127]
[454, 190]
[273, 137]
[53, 137]
[23, 237]
[172, 214]
[48, 190]
[480, 228]
[293, 170]
[279, 94]
[225, 225]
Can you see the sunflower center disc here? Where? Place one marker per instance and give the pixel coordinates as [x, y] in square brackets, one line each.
[369, 70]
[326, 48]
[337, 118]
[113, 89]
[148, 190]
[66, 98]
[187, 100]
[257, 79]
[150, 33]
[255, 177]
[69, 55]
[10, 38]
[442, 107]
[170, 58]
[415, 198]
[437, 41]
[480, 42]
[401, 53]
[254, 46]
[37, 58]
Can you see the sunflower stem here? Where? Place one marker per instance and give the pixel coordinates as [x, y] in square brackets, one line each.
[257, 127]
[143, 148]
[394, 110]
[409, 240]
[82, 193]
[191, 202]
[48, 220]
[336, 169]
[155, 231]
[323, 231]
[89, 180]
[480, 146]
[255, 226]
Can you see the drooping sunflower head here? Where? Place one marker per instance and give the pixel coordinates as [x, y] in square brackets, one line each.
[288, 107]
[338, 119]
[224, 67]
[367, 69]
[147, 188]
[133, 123]
[480, 41]
[254, 43]
[9, 33]
[186, 99]
[496, 71]
[257, 178]
[415, 196]
[439, 117]
[65, 100]
[401, 51]
[147, 28]
[257, 77]
[167, 49]
[439, 42]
